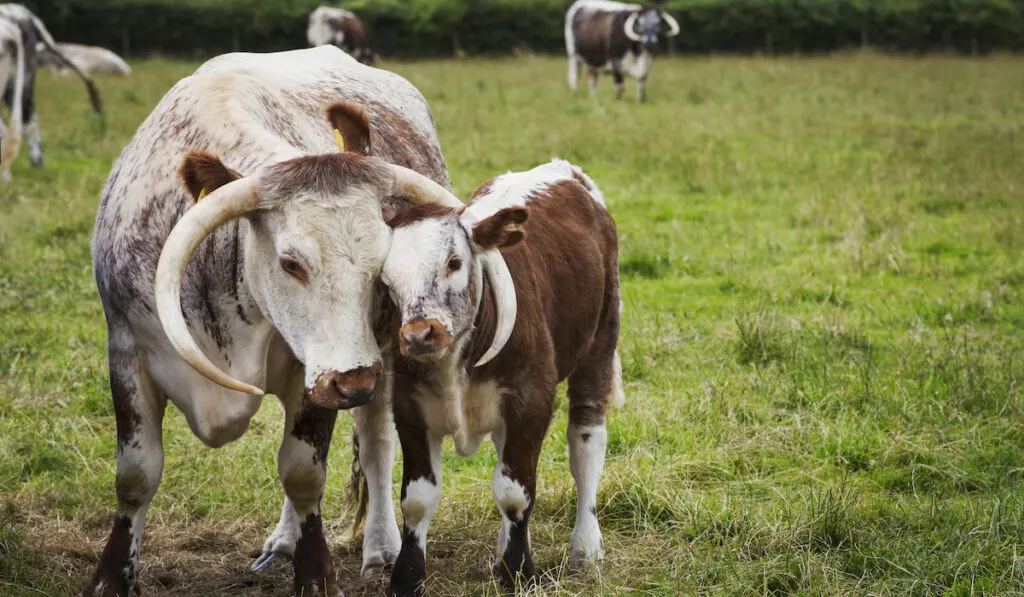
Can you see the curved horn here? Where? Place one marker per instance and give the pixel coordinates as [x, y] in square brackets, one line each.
[419, 189]
[630, 22]
[416, 188]
[233, 200]
[673, 26]
[504, 302]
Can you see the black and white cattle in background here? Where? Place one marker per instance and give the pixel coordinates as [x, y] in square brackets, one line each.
[12, 68]
[616, 37]
[33, 32]
[341, 28]
[260, 270]
[88, 59]
[552, 229]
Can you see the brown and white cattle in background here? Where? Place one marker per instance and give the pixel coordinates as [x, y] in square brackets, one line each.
[88, 59]
[560, 244]
[616, 37]
[341, 28]
[260, 271]
[33, 33]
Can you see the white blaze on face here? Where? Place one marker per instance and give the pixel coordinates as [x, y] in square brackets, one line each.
[340, 244]
[432, 274]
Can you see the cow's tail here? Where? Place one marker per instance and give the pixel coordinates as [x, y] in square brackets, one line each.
[357, 491]
[12, 143]
[47, 39]
[618, 395]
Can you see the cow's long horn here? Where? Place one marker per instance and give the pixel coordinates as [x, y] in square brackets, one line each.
[628, 28]
[419, 189]
[673, 26]
[233, 200]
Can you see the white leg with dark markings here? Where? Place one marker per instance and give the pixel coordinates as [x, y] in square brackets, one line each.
[421, 495]
[586, 462]
[381, 539]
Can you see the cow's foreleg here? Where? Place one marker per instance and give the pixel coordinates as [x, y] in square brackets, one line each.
[574, 72]
[619, 79]
[302, 465]
[381, 539]
[592, 76]
[641, 89]
[421, 494]
[514, 484]
[138, 409]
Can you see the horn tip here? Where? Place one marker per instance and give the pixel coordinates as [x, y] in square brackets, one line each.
[487, 358]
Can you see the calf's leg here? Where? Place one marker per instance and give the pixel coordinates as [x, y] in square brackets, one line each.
[515, 482]
[421, 494]
[139, 409]
[592, 75]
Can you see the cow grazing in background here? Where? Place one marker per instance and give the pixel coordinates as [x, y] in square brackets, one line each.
[34, 32]
[616, 37]
[88, 59]
[341, 28]
[560, 244]
[260, 270]
[12, 72]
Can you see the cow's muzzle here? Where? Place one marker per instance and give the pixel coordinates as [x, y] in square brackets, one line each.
[345, 390]
[423, 339]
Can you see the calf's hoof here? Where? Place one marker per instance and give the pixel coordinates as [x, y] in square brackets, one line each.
[109, 586]
[515, 578]
[409, 576]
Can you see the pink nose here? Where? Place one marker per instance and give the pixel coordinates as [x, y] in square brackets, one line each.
[423, 336]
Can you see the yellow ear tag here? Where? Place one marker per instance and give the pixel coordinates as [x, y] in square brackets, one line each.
[339, 140]
[202, 194]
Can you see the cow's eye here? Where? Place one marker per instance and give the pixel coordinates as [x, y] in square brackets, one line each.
[454, 265]
[293, 268]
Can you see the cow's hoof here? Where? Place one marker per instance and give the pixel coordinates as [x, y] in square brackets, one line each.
[37, 162]
[109, 587]
[515, 580]
[409, 576]
[380, 550]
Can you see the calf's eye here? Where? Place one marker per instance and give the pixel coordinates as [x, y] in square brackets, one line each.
[454, 265]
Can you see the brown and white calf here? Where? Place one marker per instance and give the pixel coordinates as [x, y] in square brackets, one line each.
[269, 281]
[341, 28]
[551, 226]
[616, 37]
[33, 33]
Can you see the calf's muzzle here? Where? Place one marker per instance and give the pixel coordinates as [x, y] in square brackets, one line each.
[423, 337]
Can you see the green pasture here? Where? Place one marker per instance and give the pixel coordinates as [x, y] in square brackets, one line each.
[823, 266]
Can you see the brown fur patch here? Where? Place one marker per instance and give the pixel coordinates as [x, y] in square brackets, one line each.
[354, 125]
[329, 174]
[203, 170]
[403, 213]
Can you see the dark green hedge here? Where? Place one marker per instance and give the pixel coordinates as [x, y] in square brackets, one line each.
[425, 28]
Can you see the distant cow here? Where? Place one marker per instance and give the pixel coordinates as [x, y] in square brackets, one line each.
[12, 71]
[88, 59]
[34, 32]
[616, 37]
[340, 28]
[258, 268]
[559, 241]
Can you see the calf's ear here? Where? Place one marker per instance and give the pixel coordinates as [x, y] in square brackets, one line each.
[202, 171]
[503, 229]
[353, 124]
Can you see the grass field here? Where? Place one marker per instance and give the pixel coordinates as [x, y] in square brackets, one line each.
[823, 268]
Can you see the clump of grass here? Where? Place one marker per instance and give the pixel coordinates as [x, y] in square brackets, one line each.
[761, 339]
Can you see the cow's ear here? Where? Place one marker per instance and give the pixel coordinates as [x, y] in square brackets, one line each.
[202, 171]
[503, 229]
[353, 125]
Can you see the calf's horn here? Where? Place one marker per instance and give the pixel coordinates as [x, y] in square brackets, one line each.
[628, 28]
[231, 201]
[419, 189]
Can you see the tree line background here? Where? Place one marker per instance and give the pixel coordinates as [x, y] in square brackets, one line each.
[432, 28]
